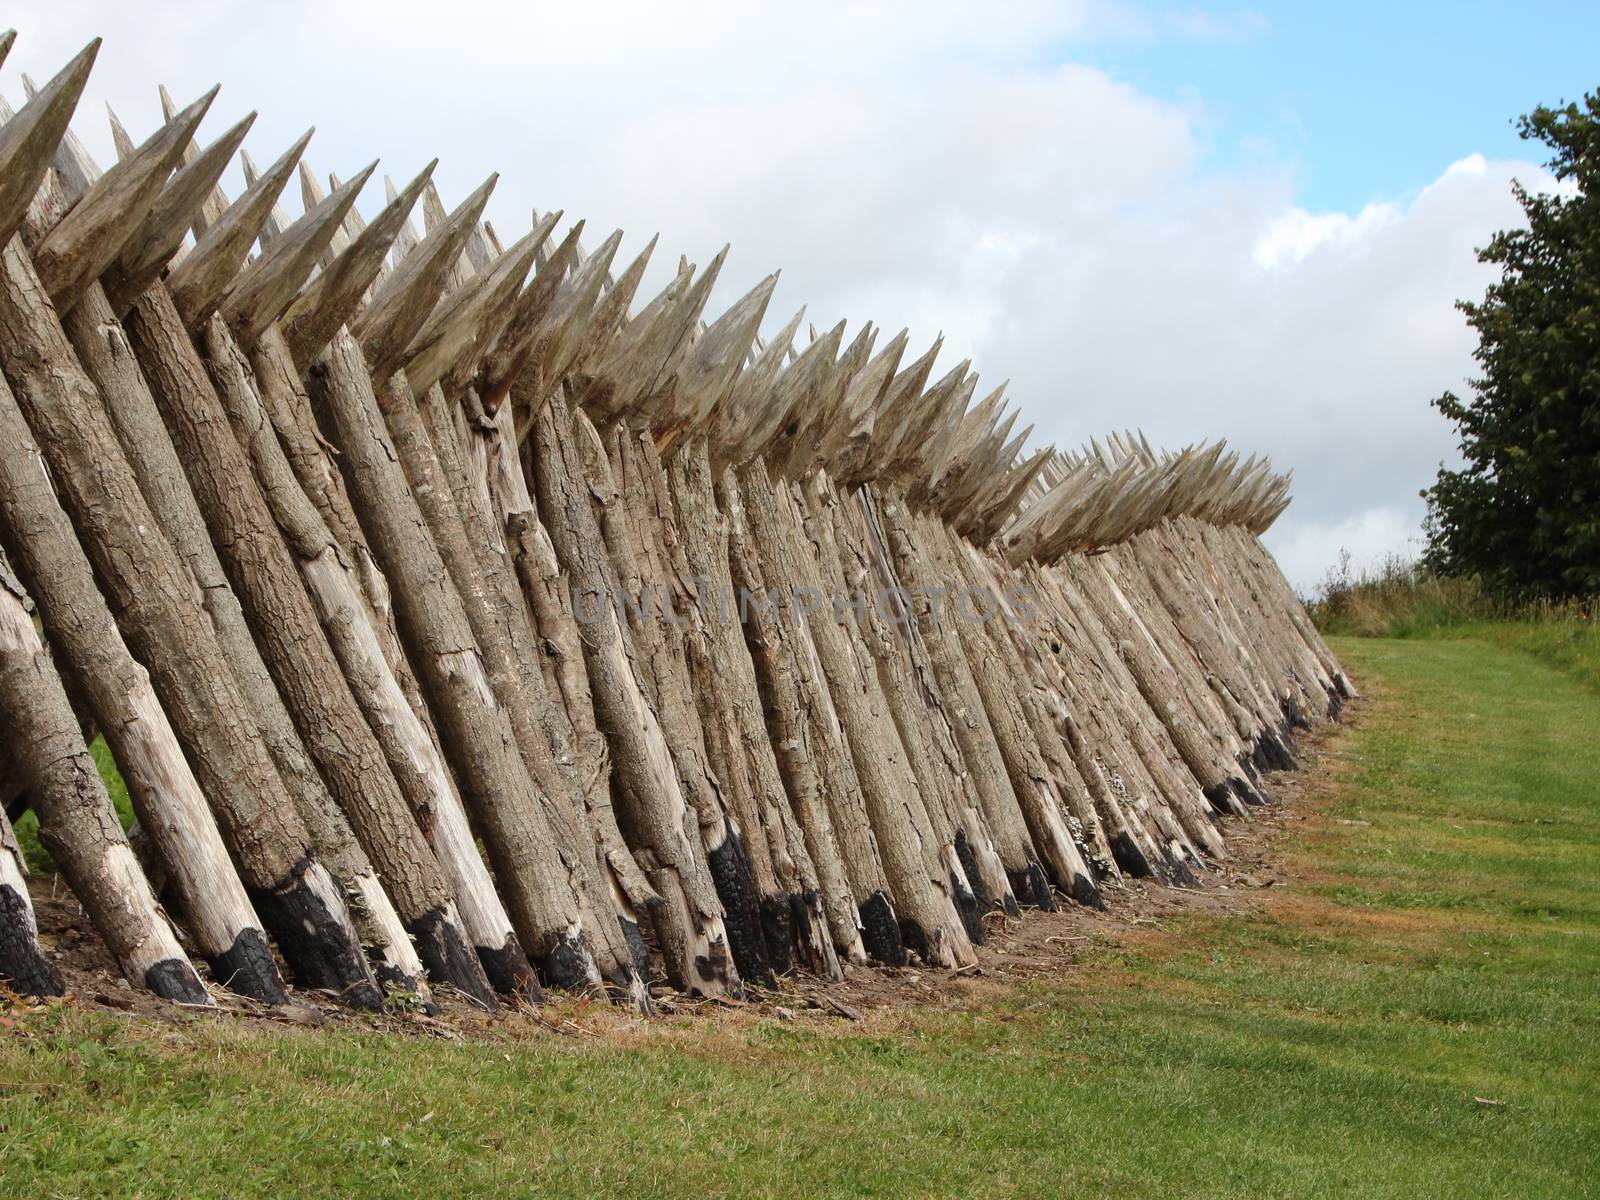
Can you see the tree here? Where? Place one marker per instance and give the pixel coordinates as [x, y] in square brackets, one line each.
[1524, 512]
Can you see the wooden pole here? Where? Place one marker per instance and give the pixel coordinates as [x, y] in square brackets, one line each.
[300, 902]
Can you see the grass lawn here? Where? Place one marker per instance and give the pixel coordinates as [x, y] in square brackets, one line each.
[1571, 646]
[1434, 939]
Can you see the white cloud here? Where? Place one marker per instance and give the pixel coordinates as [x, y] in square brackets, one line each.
[907, 163]
[1297, 234]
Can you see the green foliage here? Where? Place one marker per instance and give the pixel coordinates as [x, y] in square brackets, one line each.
[1434, 939]
[37, 857]
[1523, 514]
[1399, 597]
[1404, 598]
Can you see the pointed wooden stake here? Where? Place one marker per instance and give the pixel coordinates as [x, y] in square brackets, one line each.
[795, 391]
[311, 195]
[969, 430]
[407, 238]
[734, 421]
[681, 324]
[800, 453]
[469, 319]
[75, 168]
[434, 215]
[88, 239]
[406, 298]
[999, 509]
[622, 372]
[598, 330]
[119, 136]
[903, 393]
[266, 287]
[943, 425]
[214, 205]
[277, 220]
[199, 281]
[717, 355]
[29, 139]
[177, 208]
[899, 442]
[561, 332]
[846, 443]
[333, 296]
[515, 346]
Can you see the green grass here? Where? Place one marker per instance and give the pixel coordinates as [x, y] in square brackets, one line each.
[1401, 598]
[1572, 646]
[1435, 937]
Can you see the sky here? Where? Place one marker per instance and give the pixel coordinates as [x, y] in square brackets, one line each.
[1205, 221]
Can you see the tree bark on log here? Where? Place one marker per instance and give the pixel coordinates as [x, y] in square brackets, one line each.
[486, 579]
[1018, 790]
[476, 731]
[808, 739]
[169, 802]
[626, 486]
[300, 901]
[1157, 681]
[1124, 736]
[738, 742]
[291, 635]
[353, 596]
[310, 457]
[13, 799]
[1096, 743]
[431, 621]
[291, 641]
[988, 810]
[925, 907]
[1169, 780]
[104, 350]
[1243, 704]
[77, 825]
[990, 715]
[547, 592]
[654, 815]
[1217, 613]
[165, 626]
[966, 848]
[1252, 745]
[1002, 654]
[433, 462]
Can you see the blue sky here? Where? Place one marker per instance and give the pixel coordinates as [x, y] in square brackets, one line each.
[1367, 101]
